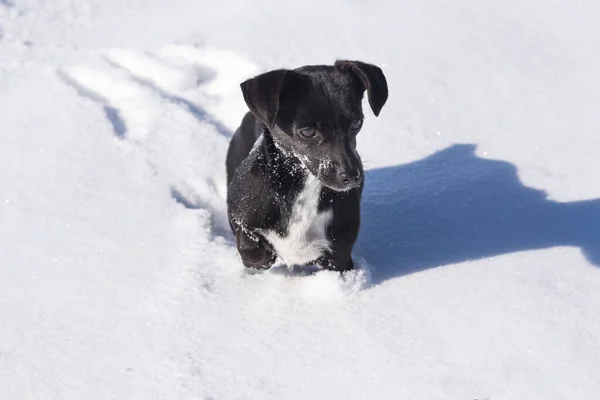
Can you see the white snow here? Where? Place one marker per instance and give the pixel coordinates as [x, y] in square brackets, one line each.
[480, 248]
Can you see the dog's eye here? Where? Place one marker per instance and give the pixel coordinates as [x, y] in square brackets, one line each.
[308, 133]
[356, 124]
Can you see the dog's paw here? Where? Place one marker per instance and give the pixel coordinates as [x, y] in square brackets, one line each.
[254, 252]
[258, 258]
[326, 262]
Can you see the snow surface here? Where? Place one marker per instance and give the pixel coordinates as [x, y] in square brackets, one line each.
[480, 247]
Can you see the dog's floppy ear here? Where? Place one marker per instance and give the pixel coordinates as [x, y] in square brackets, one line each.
[372, 78]
[262, 94]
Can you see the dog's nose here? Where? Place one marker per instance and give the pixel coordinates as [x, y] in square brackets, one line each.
[348, 177]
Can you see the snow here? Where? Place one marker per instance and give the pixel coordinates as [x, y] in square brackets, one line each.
[479, 252]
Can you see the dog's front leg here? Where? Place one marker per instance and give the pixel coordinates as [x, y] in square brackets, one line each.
[254, 250]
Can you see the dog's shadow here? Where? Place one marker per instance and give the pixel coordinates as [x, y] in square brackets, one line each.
[454, 206]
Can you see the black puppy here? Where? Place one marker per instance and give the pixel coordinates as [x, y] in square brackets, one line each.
[294, 176]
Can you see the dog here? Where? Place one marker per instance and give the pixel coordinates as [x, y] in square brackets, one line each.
[294, 176]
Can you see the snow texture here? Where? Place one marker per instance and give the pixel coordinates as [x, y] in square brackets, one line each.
[479, 251]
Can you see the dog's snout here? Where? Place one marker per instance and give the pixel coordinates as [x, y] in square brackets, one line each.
[346, 168]
[349, 177]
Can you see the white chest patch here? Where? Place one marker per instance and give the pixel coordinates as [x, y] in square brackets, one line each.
[306, 238]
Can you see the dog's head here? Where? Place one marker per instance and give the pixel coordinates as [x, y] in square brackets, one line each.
[315, 113]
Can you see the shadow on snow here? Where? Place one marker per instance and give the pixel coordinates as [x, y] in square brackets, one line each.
[454, 206]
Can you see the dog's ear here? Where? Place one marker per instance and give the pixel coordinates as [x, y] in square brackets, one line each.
[372, 78]
[262, 94]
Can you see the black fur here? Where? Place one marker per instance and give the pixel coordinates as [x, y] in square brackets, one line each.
[287, 107]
